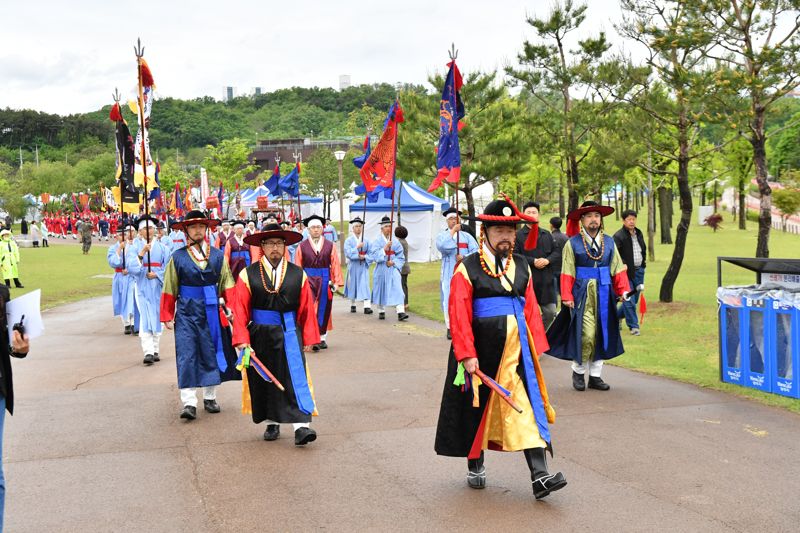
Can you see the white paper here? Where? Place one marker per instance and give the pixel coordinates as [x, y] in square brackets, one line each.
[28, 305]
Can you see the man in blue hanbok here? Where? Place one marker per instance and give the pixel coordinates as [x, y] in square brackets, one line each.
[123, 286]
[147, 267]
[197, 277]
[163, 237]
[177, 235]
[454, 244]
[387, 285]
[356, 250]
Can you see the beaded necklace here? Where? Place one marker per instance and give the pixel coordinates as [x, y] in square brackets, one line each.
[264, 280]
[482, 257]
[602, 247]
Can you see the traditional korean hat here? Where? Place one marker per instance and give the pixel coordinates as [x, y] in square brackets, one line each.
[307, 221]
[242, 223]
[452, 212]
[385, 221]
[274, 231]
[503, 212]
[145, 220]
[589, 206]
[357, 220]
[195, 216]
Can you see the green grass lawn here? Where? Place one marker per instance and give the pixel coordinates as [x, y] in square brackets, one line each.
[679, 340]
[63, 273]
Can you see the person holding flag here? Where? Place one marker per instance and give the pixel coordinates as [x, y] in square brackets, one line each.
[356, 250]
[387, 284]
[454, 244]
[123, 285]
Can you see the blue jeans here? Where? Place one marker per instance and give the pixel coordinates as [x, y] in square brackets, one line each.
[628, 309]
[2, 477]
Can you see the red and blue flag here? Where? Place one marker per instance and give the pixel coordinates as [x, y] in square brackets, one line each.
[381, 164]
[451, 111]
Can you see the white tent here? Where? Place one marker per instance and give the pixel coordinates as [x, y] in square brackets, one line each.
[420, 213]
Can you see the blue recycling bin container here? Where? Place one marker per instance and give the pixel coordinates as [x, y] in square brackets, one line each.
[783, 321]
[755, 339]
[731, 318]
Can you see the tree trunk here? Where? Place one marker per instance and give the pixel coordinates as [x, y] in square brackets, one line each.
[651, 220]
[742, 205]
[765, 207]
[664, 208]
[470, 206]
[674, 268]
[616, 200]
[572, 182]
[561, 197]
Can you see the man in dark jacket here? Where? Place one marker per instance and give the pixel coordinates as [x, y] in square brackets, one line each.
[632, 249]
[16, 346]
[559, 240]
[541, 260]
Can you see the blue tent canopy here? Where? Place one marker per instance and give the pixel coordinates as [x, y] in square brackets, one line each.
[412, 198]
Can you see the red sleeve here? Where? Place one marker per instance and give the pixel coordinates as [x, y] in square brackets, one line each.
[620, 282]
[336, 268]
[228, 251]
[307, 315]
[460, 310]
[567, 283]
[534, 319]
[298, 257]
[167, 307]
[241, 313]
[255, 254]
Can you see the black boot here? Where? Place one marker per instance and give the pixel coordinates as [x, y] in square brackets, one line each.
[597, 383]
[18, 284]
[128, 330]
[476, 475]
[449, 335]
[543, 482]
[578, 381]
[352, 308]
[367, 310]
[273, 432]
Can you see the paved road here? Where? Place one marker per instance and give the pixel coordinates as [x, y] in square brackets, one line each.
[96, 445]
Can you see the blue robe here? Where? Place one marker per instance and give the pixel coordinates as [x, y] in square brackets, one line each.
[447, 246]
[167, 242]
[387, 287]
[356, 286]
[148, 291]
[122, 286]
[178, 238]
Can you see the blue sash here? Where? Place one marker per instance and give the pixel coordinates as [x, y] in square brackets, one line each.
[291, 346]
[208, 293]
[325, 274]
[508, 305]
[603, 276]
[242, 254]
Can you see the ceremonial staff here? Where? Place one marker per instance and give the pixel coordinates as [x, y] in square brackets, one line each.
[139, 50]
[278, 165]
[297, 155]
[453, 53]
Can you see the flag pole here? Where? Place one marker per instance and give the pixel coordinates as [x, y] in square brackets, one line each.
[139, 49]
[278, 164]
[298, 155]
[394, 169]
[116, 96]
[364, 215]
[453, 53]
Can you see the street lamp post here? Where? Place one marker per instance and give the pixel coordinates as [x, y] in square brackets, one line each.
[339, 155]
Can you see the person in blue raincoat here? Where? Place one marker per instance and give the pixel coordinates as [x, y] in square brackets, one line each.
[387, 286]
[196, 279]
[123, 286]
[147, 266]
[454, 244]
[356, 250]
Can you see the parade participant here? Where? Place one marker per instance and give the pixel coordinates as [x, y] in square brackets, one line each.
[236, 251]
[593, 276]
[73, 226]
[147, 266]
[541, 260]
[454, 244]
[559, 240]
[123, 286]
[387, 286]
[9, 259]
[633, 251]
[103, 225]
[195, 279]
[497, 330]
[329, 232]
[177, 235]
[85, 231]
[251, 228]
[356, 250]
[46, 232]
[163, 238]
[113, 223]
[320, 260]
[292, 249]
[63, 226]
[13, 344]
[276, 317]
[223, 235]
[35, 233]
[400, 232]
[23, 228]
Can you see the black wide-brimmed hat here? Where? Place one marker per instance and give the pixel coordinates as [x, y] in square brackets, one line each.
[274, 231]
[502, 212]
[196, 216]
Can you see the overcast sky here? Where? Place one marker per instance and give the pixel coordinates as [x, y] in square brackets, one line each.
[67, 57]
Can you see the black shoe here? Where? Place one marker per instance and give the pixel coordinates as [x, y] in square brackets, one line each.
[211, 406]
[148, 359]
[598, 383]
[543, 486]
[367, 310]
[381, 316]
[401, 317]
[476, 473]
[156, 358]
[189, 412]
[128, 330]
[578, 381]
[20, 286]
[135, 332]
[352, 308]
[449, 335]
[315, 348]
[303, 436]
[273, 432]
[323, 345]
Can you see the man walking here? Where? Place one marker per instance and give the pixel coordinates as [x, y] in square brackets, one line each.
[275, 317]
[559, 240]
[632, 250]
[592, 278]
[123, 286]
[387, 285]
[454, 244]
[9, 259]
[497, 330]
[356, 250]
[85, 230]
